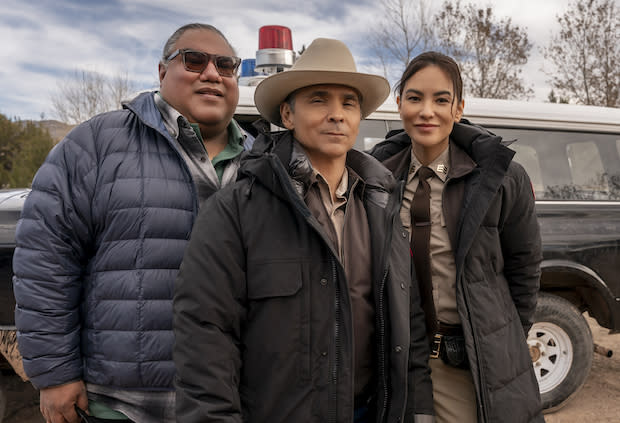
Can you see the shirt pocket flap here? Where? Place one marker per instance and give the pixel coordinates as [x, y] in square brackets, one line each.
[273, 279]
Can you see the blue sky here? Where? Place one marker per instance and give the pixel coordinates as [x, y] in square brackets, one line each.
[45, 40]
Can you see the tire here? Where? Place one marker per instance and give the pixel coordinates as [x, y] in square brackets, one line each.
[561, 347]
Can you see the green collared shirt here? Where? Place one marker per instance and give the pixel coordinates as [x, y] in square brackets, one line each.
[232, 149]
[208, 175]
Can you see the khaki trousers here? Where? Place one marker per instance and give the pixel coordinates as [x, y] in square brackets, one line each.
[453, 393]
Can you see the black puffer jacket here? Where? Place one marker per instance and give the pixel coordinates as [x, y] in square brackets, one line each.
[489, 208]
[263, 330]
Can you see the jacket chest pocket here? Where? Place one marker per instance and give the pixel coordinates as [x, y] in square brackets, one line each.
[277, 330]
[274, 279]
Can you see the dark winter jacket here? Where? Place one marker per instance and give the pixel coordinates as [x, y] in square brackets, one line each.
[99, 245]
[490, 217]
[262, 313]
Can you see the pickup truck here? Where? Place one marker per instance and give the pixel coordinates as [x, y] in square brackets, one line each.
[11, 202]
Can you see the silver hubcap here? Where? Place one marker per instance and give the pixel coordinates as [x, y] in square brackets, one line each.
[552, 354]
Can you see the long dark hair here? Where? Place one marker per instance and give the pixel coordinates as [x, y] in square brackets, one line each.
[433, 58]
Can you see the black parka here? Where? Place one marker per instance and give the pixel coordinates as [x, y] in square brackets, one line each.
[262, 317]
[490, 215]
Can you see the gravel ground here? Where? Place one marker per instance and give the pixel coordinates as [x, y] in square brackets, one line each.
[597, 402]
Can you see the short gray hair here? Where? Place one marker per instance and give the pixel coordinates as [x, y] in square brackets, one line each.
[169, 46]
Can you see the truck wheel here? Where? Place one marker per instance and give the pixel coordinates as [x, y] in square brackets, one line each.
[561, 347]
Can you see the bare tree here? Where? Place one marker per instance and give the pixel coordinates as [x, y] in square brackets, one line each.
[119, 89]
[403, 31]
[87, 93]
[491, 52]
[586, 53]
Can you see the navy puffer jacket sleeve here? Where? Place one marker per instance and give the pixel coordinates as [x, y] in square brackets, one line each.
[99, 245]
[52, 243]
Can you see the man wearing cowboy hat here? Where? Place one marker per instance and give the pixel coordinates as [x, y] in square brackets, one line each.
[294, 301]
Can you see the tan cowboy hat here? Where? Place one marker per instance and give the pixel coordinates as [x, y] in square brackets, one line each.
[325, 61]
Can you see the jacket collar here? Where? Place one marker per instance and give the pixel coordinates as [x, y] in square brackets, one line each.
[143, 106]
[460, 162]
[471, 146]
[275, 154]
[486, 149]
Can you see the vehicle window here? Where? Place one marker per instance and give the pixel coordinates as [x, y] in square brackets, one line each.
[371, 132]
[568, 166]
[527, 156]
[586, 169]
[395, 124]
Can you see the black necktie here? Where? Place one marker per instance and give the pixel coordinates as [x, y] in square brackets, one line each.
[420, 246]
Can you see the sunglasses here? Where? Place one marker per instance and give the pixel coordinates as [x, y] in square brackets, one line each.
[197, 61]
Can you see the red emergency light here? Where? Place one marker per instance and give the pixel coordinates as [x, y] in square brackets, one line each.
[275, 36]
[275, 50]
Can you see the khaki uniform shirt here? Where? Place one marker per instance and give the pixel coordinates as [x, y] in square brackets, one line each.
[335, 209]
[346, 224]
[443, 268]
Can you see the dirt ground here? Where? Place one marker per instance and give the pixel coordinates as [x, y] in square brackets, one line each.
[597, 402]
[22, 401]
[599, 399]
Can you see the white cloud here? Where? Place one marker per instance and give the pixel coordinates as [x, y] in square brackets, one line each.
[50, 39]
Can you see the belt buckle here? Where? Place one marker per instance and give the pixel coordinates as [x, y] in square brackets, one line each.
[436, 345]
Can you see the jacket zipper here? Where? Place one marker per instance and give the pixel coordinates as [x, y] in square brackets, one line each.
[174, 147]
[382, 346]
[483, 400]
[333, 412]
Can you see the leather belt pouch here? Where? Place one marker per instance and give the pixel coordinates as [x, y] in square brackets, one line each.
[453, 351]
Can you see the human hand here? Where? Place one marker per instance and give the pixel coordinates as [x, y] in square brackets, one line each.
[57, 402]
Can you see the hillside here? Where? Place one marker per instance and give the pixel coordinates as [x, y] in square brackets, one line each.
[57, 129]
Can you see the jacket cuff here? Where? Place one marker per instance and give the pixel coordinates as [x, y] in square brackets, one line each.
[423, 418]
[60, 375]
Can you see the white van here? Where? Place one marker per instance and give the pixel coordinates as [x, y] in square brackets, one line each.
[572, 155]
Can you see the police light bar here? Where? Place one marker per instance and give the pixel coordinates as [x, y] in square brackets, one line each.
[275, 49]
[275, 36]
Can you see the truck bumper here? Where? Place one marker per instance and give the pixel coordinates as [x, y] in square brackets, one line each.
[8, 348]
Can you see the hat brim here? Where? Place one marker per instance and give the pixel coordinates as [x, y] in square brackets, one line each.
[272, 91]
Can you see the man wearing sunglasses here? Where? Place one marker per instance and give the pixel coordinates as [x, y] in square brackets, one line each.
[103, 232]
